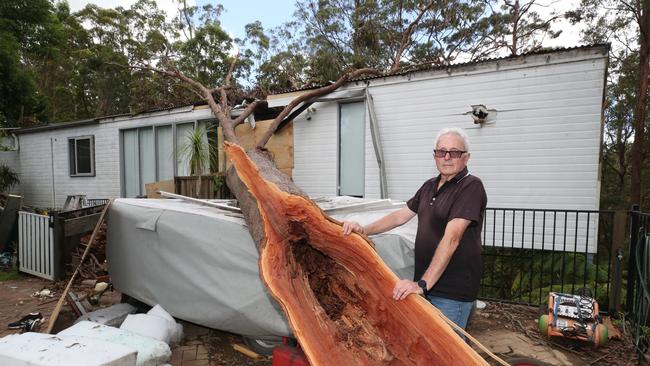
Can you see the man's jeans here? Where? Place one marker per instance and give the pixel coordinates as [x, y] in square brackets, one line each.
[457, 311]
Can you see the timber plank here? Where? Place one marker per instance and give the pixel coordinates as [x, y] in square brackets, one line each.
[80, 225]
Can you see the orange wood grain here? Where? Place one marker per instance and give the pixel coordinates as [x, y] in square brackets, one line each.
[337, 292]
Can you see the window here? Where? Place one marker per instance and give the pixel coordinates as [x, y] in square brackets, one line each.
[153, 153]
[82, 156]
[351, 149]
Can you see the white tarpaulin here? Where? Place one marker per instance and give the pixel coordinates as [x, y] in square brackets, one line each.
[200, 262]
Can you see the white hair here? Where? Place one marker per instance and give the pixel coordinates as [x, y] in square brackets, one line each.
[456, 131]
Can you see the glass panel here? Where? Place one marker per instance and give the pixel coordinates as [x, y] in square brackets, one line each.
[206, 125]
[84, 162]
[165, 154]
[147, 158]
[351, 150]
[182, 139]
[130, 163]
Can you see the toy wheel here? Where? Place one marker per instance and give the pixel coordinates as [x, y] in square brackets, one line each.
[543, 324]
[602, 335]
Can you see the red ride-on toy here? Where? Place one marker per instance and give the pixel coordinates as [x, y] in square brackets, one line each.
[574, 317]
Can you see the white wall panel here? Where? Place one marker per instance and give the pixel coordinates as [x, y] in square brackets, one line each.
[543, 151]
[36, 172]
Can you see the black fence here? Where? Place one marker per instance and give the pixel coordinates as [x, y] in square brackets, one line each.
[639, 280]
[528, 253]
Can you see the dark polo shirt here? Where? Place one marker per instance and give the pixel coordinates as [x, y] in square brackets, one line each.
[461, 197]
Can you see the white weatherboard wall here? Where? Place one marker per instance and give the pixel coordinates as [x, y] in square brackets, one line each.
[36, 164]
[542, 152]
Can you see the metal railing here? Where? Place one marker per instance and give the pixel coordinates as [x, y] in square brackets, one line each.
[638, 292]
[91, 202]
[529, 252]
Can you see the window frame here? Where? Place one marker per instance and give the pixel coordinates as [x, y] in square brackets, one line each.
[338, 143]
[72, 149]
[196, 123]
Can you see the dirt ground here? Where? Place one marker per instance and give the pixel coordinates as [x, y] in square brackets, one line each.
[510, 331]
[200, 347]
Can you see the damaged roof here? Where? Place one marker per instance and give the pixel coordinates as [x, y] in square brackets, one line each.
[431, 67]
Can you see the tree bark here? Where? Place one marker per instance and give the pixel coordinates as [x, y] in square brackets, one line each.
[640, 110]
[335, 289]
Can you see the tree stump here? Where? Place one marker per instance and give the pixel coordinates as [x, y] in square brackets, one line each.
[336, 291]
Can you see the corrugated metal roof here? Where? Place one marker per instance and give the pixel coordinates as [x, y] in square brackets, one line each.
[56, 126]
[431, 67]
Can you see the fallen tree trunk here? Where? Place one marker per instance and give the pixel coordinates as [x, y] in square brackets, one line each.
[335, 289]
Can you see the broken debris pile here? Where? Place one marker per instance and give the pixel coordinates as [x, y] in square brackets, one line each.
[142, 339]
[95, 266]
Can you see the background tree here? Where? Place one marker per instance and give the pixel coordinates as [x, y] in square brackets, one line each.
[340, 34]
[519, 28]
[343, 34]
[25, 33]
[626, 25]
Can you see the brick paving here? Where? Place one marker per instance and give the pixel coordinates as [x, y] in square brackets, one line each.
[193, 351]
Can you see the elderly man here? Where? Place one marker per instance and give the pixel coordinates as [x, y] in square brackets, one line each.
[448, 242]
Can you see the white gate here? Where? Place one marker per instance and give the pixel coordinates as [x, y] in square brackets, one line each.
[36, 244]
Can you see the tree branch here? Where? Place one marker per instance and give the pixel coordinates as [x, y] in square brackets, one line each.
[250, 108]
[406, 37]
[314, 93]
[222, 114]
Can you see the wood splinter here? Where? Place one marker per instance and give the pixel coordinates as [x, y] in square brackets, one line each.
[337, 292]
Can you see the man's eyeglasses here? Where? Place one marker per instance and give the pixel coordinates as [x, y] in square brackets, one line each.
[454, 154]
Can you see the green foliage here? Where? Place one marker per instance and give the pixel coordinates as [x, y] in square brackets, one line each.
[618, 26]
[57, 66]
[527, 276]
[25, 33]
[10, 276]
[8, 178]
[343, 34]
[197, 151]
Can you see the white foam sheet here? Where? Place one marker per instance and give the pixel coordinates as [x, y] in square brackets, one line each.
[201, 265]
[38, 349]
[149, 326]
[176, 329]
[151, 352]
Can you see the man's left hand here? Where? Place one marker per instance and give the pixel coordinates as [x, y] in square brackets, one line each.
[403, 288]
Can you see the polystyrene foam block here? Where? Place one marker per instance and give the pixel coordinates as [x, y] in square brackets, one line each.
[149, 326]
[160, 312]
[38, 349]
[151, 352]
[176, 328]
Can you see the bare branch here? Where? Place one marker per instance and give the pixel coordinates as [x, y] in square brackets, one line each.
[250, 108]
[222, 114]
[228, 79]
[406, 37]
[314, 93]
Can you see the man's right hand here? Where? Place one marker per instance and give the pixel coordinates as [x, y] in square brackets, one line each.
[350, 226]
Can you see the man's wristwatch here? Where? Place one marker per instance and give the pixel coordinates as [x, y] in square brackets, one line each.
[423, 286]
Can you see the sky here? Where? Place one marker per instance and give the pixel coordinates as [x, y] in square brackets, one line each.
[272, 13]
[237, 13]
